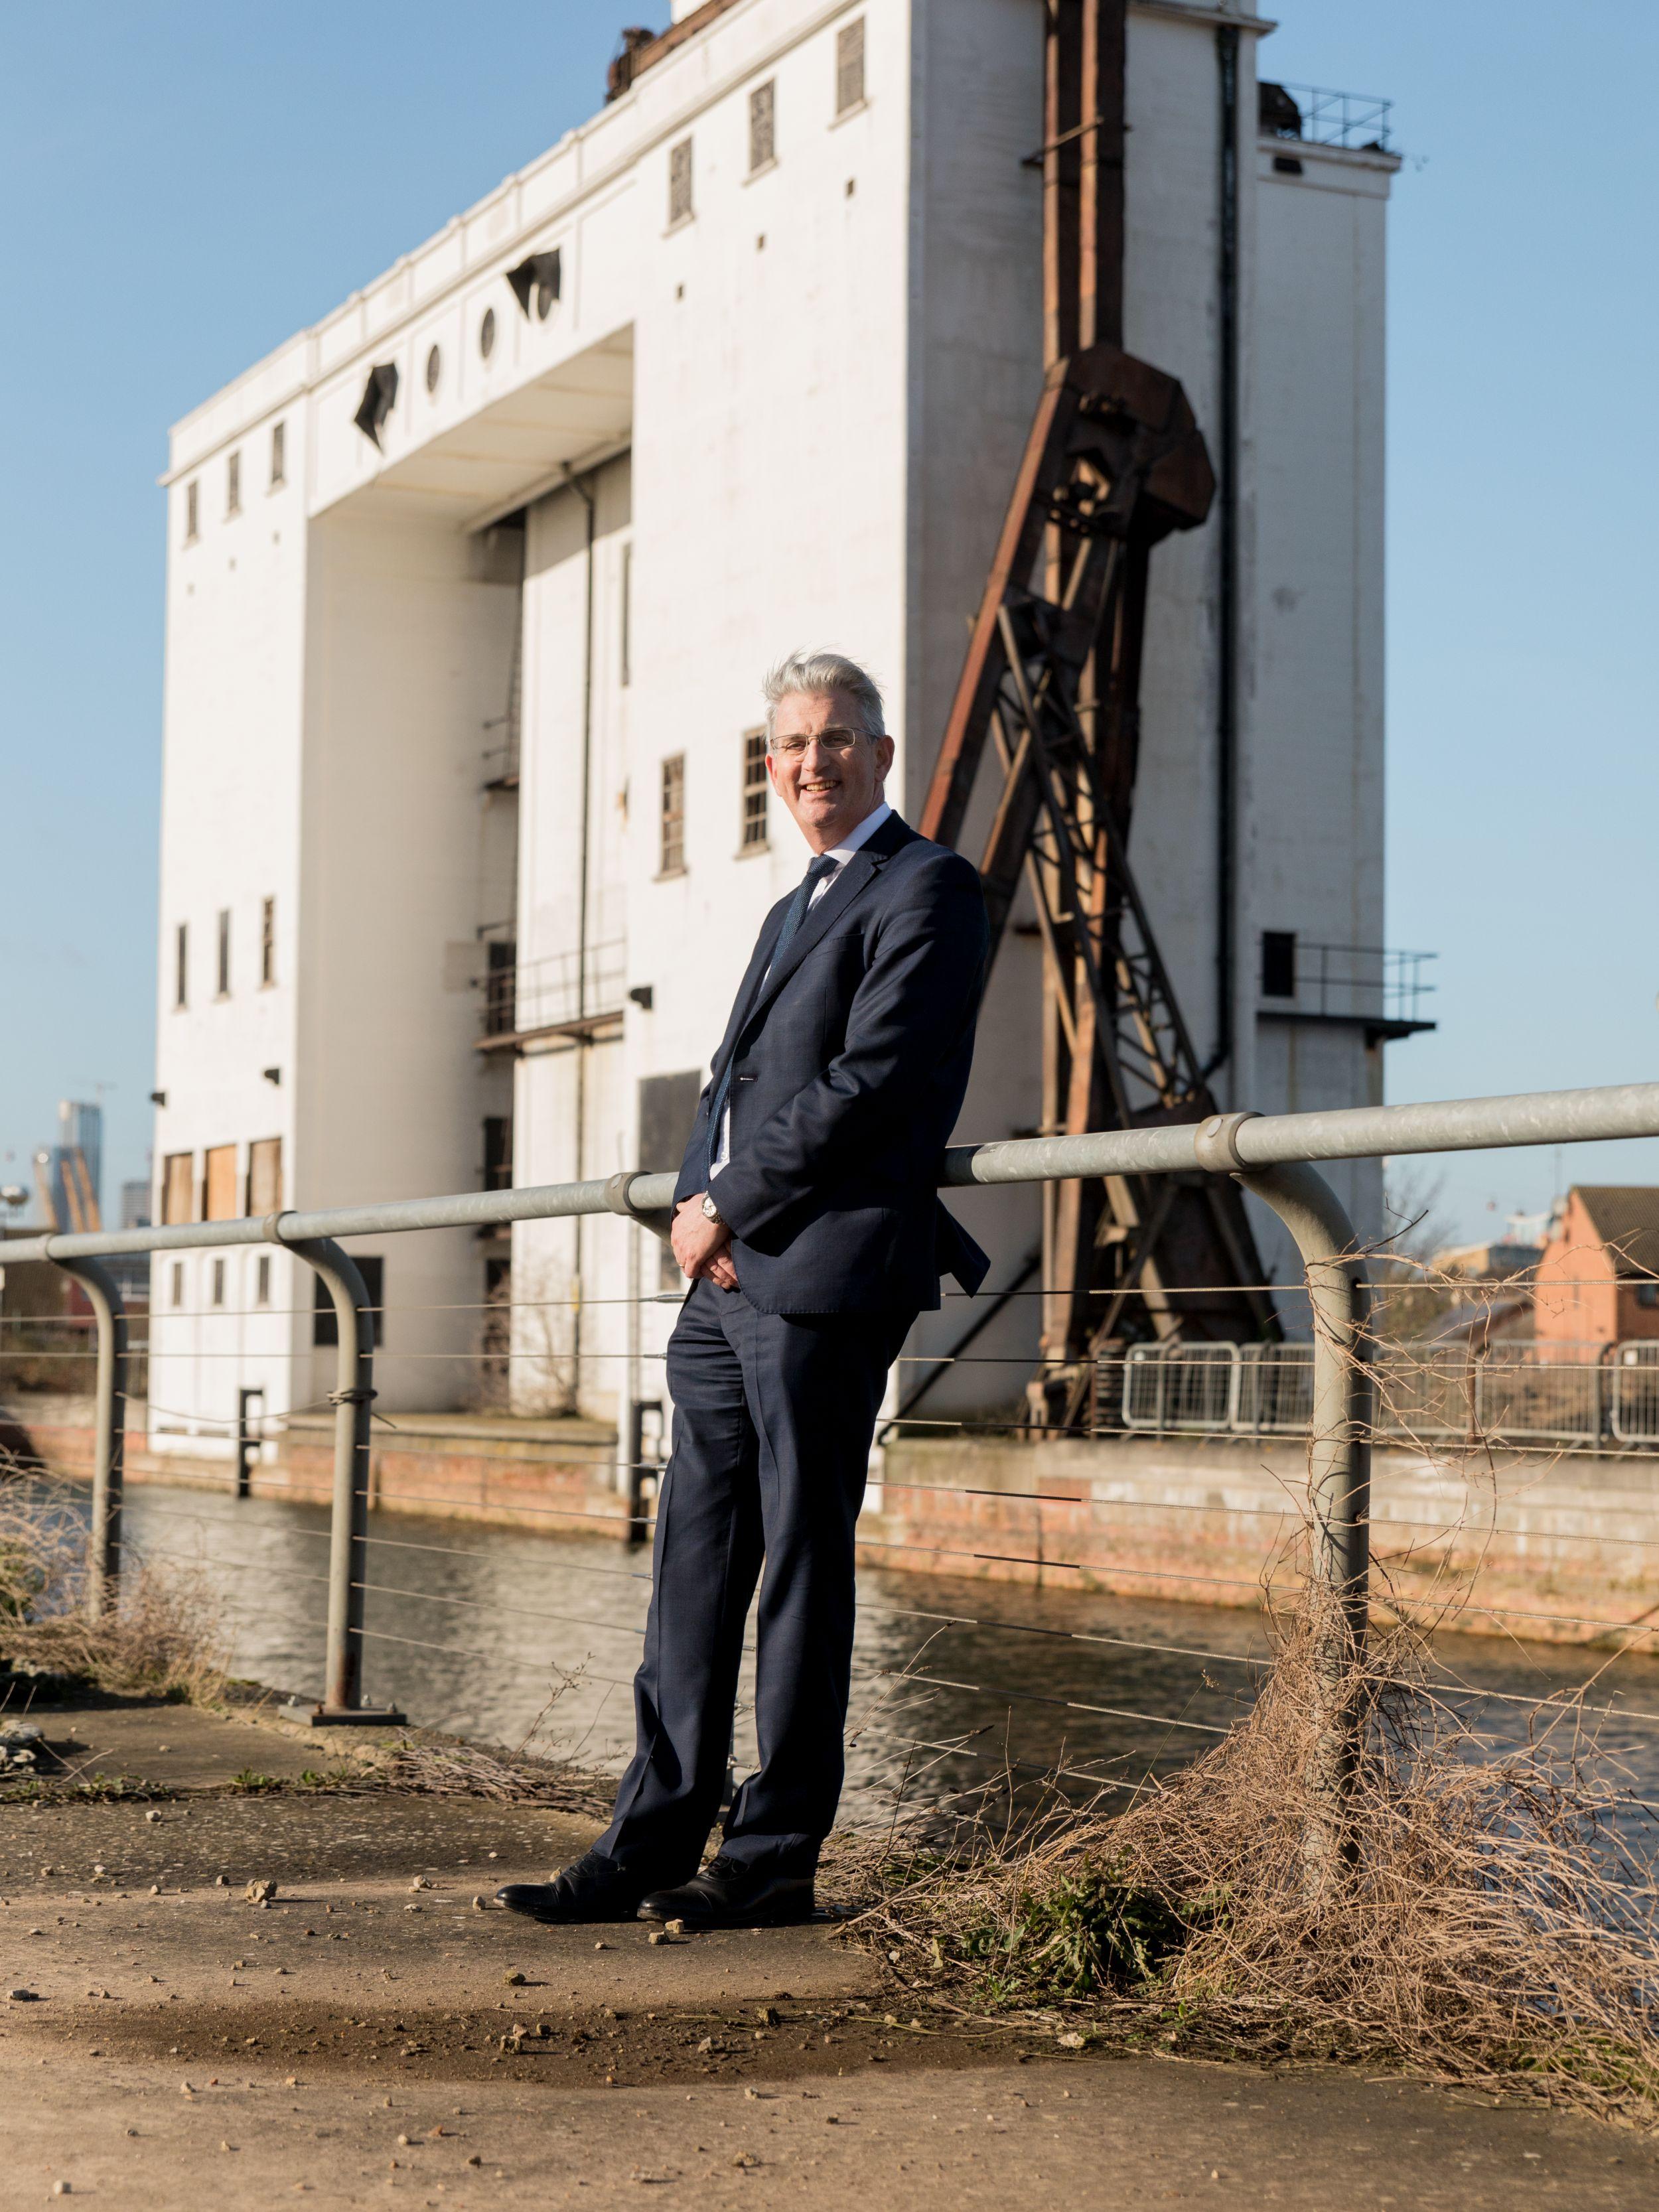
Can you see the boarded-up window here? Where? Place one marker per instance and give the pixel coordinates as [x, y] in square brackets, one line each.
[268, 940]
[849, 67]
[324, 1328]
[754, 791]
[673, 815]
[219, 1183]
[668, 1107]
[679, 181]
[179, 1187]
[762, 130]
[264, 1176]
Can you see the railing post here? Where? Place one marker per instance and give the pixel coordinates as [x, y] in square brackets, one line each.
[109, 1431]
[1339, 1472]
[348, 1551]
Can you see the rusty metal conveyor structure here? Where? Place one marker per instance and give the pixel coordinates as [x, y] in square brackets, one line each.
[1113, 463]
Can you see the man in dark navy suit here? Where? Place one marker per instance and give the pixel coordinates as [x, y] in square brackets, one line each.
[807, 1220]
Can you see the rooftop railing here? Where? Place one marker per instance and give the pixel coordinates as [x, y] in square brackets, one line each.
[1311, 115]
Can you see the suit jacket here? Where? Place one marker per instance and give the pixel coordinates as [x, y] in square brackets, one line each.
[849, 1063]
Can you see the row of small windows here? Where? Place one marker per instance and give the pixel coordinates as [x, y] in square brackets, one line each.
[325, 1328]
[764, 122]
[275, 482]
[753, 790]
[226, 1190]
[221, 962]
[217, 1271]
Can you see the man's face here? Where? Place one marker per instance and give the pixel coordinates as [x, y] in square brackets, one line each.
[824, 768]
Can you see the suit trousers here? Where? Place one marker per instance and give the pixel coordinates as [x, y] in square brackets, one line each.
[774, 1416]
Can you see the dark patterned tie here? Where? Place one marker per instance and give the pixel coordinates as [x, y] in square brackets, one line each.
[823, 866]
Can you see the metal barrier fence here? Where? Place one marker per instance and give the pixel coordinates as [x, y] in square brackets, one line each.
[1521, 1394]
[1324, 1389]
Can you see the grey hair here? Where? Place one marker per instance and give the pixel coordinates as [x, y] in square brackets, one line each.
[817, 674]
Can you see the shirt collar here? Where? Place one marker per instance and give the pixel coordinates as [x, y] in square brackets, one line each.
[850, 843]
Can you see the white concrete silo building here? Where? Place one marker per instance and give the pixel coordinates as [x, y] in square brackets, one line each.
[470, 587]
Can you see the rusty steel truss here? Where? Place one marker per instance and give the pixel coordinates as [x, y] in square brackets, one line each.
[1113, 463]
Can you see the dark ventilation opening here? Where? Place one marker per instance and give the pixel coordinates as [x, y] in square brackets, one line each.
[539, 276]
[1287, 165]
[379, 397]
[325, 1327]
[668, 1107]
[1278, 114]
[498, 1151]
[1278, 963]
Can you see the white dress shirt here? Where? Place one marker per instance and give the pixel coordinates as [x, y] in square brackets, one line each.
[841, 854]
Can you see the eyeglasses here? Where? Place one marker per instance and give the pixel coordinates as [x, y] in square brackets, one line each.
[831, 741]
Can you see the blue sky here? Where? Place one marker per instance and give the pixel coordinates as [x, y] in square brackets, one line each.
[189, 184]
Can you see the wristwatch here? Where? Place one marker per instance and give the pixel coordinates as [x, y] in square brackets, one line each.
[712, 1212]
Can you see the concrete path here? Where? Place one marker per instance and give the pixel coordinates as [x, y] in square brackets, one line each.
[358, 2039]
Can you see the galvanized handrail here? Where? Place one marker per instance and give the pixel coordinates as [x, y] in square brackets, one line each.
[1537, 1117]
[1270, 1154]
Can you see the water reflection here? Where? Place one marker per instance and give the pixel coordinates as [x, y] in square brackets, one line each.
[505, 1635]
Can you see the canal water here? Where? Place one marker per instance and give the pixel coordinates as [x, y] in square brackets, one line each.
[510, 1637]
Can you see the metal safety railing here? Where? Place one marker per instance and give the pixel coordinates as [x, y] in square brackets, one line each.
[1324, 1389]
[1522, 1393]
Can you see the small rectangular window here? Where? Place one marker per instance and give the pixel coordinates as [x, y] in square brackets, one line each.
[498, 1151]
[177, 1283]
[219, 1183]
[673, 816]
[625, 618]
[181, 964]
[679, 182]
[268, 940]
[264, 1176]
[234, 484]
[262, 1282]
[223, 968]
[192, 512]
[763, 131]
[1278, 963]
[849, 67]
[178, 1189]
[218, 1282]
[278, 455]
[754, 791]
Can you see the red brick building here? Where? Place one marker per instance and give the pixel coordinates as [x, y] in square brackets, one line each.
[1598, 1281]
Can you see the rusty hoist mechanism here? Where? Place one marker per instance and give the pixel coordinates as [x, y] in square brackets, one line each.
[1115, 462]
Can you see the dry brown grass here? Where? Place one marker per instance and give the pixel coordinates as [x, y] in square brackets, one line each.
[1491, 1920]
[162, 1638]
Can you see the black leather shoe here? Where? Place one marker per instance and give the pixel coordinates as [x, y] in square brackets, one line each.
[727, 1893]
[591, 1888]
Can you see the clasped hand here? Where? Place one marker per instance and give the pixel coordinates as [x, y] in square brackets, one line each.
[703, 1247]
